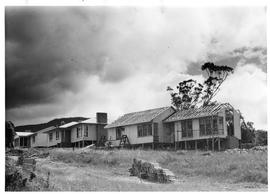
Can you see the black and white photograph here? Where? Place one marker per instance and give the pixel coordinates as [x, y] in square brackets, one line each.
[135, 98]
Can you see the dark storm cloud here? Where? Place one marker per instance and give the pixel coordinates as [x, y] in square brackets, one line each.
[51, 50]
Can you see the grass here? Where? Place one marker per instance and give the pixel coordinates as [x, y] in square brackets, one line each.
[236, 167]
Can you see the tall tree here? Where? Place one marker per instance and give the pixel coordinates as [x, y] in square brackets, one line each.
[190, 93]
[216, 76]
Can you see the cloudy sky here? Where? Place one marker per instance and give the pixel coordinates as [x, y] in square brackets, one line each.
[75, 61]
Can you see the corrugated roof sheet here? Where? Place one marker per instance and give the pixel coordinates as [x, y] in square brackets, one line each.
[68, 125]
[46, 129]
[197, 112]
[137, 117]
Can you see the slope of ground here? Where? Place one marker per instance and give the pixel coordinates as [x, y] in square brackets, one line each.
[100, 170]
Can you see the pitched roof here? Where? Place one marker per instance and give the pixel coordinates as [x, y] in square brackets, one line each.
[46, 129]
[197, 112]
[137, 117]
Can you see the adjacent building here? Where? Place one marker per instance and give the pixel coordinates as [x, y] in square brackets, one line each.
[22, 139]
[143, 128]
[215, 127]
[79, 134]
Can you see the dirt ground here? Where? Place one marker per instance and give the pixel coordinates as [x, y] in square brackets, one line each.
[70, 177]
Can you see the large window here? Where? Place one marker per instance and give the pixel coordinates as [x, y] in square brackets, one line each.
[50, 136]
[144, 130]
[209, 125]
[186, 126]
[119, 132]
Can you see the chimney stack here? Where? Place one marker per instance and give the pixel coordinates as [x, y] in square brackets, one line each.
[101, 117]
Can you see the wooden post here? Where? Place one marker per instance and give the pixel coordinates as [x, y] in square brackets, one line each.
[83, 144]
[185, 145]
[218, 144]
[196, 145]
[207, 144]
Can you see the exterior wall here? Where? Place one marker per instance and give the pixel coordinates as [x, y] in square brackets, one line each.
[196, 131]
[41, 140]
[54, 141]
[236, 123]
[165, 135]
[132, 133]
[92, 135]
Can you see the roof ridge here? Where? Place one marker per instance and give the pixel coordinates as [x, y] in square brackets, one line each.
[147, 110]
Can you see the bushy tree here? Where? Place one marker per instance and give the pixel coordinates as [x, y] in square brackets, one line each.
[261, 137]
[190, 93]
[248, 132]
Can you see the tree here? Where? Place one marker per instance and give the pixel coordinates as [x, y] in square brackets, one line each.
[10, 134]
[216, 76]
[190, 93]
[248, 132]
[261, 137]
[187, 95]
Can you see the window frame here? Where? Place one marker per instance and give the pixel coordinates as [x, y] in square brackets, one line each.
[145, 129]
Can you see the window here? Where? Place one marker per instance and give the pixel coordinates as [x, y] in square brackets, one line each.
[78, 132]
[144, 130]
[34, 138]
[215, 125]
[220, 126]
[210, 125]
[57, 135]
[220, 121]
[186, 126]
[50, 136]
[86, 131]
[119, 132]
[202, 126]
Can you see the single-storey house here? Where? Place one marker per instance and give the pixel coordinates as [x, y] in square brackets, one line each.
[41, 138]
[22, 139]
[143, 128]
[79, 134]
[215, 126]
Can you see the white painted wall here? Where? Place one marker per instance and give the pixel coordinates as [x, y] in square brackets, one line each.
[54, 140]
[132, 132]
[92, 133]
[41, 140]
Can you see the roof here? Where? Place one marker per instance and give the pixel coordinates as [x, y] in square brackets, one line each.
[23, 134]
[197, 112]
[137, 117]
[46, 129]
[68, 125]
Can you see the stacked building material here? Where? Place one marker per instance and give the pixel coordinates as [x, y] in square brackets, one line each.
[151, 171]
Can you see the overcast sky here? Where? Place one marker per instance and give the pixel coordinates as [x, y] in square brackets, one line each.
[76, 61]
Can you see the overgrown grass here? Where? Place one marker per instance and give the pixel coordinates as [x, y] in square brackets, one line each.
[236, 167]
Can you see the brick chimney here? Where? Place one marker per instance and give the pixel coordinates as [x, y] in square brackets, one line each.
[101, 117]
